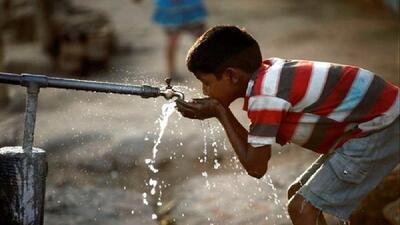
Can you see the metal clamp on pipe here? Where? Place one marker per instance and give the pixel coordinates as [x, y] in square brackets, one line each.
[149, 91]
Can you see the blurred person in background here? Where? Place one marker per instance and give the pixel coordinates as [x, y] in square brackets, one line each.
[177, 17]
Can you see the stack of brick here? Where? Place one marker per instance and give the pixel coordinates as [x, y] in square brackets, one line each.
[18, 19]
[74, 37]
[85, 38]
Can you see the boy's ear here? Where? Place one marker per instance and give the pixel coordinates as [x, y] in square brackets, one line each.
[232, 74]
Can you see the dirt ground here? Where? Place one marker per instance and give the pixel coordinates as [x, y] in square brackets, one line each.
[102, 140]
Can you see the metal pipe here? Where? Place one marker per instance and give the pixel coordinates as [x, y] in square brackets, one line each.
[42, 81]
[10, 78]
[30, 117]
[144, 91]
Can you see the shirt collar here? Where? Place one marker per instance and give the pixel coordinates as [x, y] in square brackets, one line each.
[263, 67]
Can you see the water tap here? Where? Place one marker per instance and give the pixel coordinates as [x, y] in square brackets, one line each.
[170, 93]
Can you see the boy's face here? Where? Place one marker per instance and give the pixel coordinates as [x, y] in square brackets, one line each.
[223, 89]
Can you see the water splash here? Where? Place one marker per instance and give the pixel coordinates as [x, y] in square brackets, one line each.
[274, 197]
[203, 126]
[212, 143]
[167, 110]
[153, 183]
[145, 199]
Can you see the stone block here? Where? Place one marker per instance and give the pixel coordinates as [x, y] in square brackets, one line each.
[3, 96]
[391, 212]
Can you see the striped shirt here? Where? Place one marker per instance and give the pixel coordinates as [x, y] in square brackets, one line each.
[316, 105]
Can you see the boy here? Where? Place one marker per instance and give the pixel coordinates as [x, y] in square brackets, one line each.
[342, 110]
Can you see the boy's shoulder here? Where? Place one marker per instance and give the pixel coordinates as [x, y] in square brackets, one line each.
[273, 60]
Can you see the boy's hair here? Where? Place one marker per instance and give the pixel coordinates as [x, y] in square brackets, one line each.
[221, 47]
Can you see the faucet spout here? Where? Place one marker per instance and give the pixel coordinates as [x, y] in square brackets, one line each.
[170, 93]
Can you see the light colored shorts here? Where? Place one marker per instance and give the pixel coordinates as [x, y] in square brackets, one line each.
[336, 183]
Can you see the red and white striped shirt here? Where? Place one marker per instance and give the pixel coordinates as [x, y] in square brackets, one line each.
[313, 104]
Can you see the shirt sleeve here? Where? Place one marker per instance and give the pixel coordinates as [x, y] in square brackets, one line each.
[266, 114]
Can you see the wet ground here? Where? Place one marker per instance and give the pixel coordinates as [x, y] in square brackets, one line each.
[102, 141]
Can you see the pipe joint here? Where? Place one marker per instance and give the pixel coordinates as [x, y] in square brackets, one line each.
[28, 79]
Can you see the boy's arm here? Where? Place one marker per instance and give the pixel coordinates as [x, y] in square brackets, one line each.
[253, 159]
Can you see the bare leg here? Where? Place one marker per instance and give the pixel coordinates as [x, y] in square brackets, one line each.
[172, 40]
[298, 206]
[303, 213]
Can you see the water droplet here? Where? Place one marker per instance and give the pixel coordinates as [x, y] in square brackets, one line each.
[216, 164]
[154, 184]
[144, 199]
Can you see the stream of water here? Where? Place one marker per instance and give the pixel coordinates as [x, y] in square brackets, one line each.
[166, 111]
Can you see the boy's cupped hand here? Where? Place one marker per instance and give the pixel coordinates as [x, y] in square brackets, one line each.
[200, 108]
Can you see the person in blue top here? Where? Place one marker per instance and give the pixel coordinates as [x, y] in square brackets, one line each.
[177, 17]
